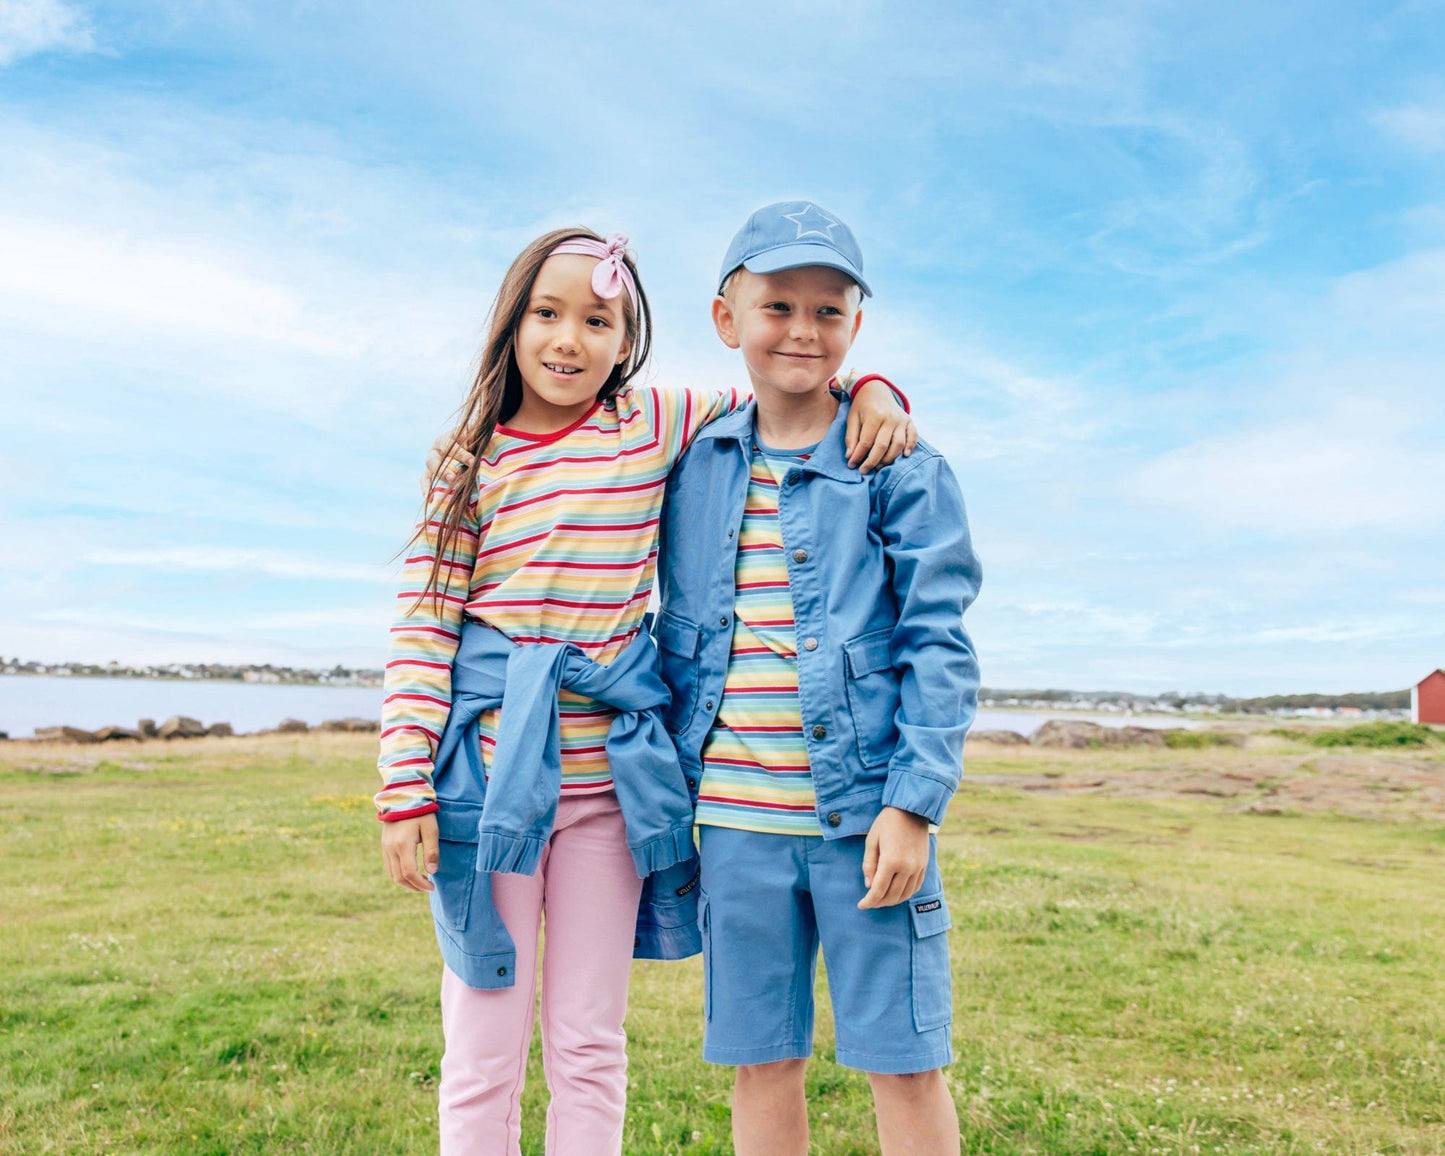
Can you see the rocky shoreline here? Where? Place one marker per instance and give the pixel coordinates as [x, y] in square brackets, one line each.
[183, 727]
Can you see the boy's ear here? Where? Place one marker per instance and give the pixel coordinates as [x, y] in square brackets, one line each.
[722, 320]
[857, 323]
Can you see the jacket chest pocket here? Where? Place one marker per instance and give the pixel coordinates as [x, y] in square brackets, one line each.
[872, 685]
[678, 643]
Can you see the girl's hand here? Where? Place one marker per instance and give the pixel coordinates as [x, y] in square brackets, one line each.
[399, 841]
[878, 428]
[895, 856]
[442, 449]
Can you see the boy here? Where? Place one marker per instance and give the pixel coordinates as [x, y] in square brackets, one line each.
[811, 634]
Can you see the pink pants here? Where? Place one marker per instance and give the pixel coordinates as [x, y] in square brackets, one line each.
[589, 889]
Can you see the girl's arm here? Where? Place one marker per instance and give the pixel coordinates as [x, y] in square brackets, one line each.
[879, 427]
[424, 638]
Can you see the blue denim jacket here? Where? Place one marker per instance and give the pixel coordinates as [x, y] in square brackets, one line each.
[503, 824]
[881, 571]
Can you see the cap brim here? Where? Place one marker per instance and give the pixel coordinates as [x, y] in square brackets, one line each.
[797, 256]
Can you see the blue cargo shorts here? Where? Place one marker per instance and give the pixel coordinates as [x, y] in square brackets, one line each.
[766, 903]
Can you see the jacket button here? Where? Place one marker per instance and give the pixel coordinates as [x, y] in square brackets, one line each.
[707, 705]
[501, 971]
[834, 818]
[692, 783]
[820, 731]
[730, 534]
[810, 644]
[800, 555]
[723, 621]
[794, 477]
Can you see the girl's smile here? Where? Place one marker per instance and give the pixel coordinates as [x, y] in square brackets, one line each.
[567, 344]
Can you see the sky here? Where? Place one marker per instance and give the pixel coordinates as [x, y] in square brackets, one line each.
[1165, 282]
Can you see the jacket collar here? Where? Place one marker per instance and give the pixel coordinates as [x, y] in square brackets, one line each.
[828, 459]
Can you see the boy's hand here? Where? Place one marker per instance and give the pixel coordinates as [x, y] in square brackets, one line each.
[399, 841]
[443, 448]
[895, 857]
[878, 428]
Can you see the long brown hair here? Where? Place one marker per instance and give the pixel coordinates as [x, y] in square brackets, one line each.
[496, 393]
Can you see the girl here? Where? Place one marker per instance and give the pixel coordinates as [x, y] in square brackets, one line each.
[521, 748]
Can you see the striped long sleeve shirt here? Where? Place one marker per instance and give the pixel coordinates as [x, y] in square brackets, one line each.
[559, 544]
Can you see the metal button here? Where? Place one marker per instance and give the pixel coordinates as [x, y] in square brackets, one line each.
[794, 477]
[834, 818]
[501, 971]
[820, 731]
[800, 555]
[723, 621]
[692, 783]
[707, 705]
[810, 644]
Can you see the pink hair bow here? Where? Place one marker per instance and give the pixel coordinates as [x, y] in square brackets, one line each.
[612, 275]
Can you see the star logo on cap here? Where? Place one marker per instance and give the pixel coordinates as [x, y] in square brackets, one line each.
[813, 222]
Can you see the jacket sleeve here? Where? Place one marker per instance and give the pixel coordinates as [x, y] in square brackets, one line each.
[424, 638]
[935, 577]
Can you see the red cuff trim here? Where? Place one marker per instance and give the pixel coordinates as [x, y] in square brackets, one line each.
[867, 377]
[393, 816]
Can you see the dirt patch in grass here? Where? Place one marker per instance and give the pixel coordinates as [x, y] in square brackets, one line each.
[1382, 784]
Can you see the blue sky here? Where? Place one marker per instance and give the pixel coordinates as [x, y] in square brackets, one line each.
[1165, 282]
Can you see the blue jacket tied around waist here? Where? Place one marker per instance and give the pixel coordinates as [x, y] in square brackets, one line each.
[503, 824]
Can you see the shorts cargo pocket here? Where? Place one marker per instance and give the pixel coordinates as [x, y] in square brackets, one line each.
[678, 642]
[932, 984]
[872, 686]
[456, 871]
[704, 919]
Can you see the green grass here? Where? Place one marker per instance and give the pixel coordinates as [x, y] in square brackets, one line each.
[1383, 735]
[1196, 740]
[201, 955]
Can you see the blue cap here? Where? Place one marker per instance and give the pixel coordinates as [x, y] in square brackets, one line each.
[789, 235]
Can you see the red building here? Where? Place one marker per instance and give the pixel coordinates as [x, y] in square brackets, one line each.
[1427, 700]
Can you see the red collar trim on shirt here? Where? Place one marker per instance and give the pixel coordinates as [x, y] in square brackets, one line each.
[543, 439]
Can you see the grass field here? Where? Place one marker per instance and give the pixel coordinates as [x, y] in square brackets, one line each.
[200, 955]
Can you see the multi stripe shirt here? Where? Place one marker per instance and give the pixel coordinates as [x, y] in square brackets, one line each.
[559, 544]
[755, 772]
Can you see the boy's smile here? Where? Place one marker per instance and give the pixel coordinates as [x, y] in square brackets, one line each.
[567, 345]
[794, 328]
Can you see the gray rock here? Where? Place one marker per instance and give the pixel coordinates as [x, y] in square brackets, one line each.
[180, 727]
[358, 725]
[110, 734]
[1002, 738]
[291, 726]
[220, 729]
[63, 735]
[1075, 734]
[147, 727]
[1067, 733]
[1133, 737]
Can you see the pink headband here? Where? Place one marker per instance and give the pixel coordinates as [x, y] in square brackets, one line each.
[612, 274]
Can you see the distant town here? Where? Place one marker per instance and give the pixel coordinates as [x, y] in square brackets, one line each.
[1382, 704]
[193, 671]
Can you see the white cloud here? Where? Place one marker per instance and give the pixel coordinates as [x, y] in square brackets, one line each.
[271, 563]
[29, 27]
[1420, 126]
[1342, 471]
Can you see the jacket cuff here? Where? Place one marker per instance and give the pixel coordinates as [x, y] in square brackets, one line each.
[917, 794]
[509, 854]
[664, 851]
[867, 377]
